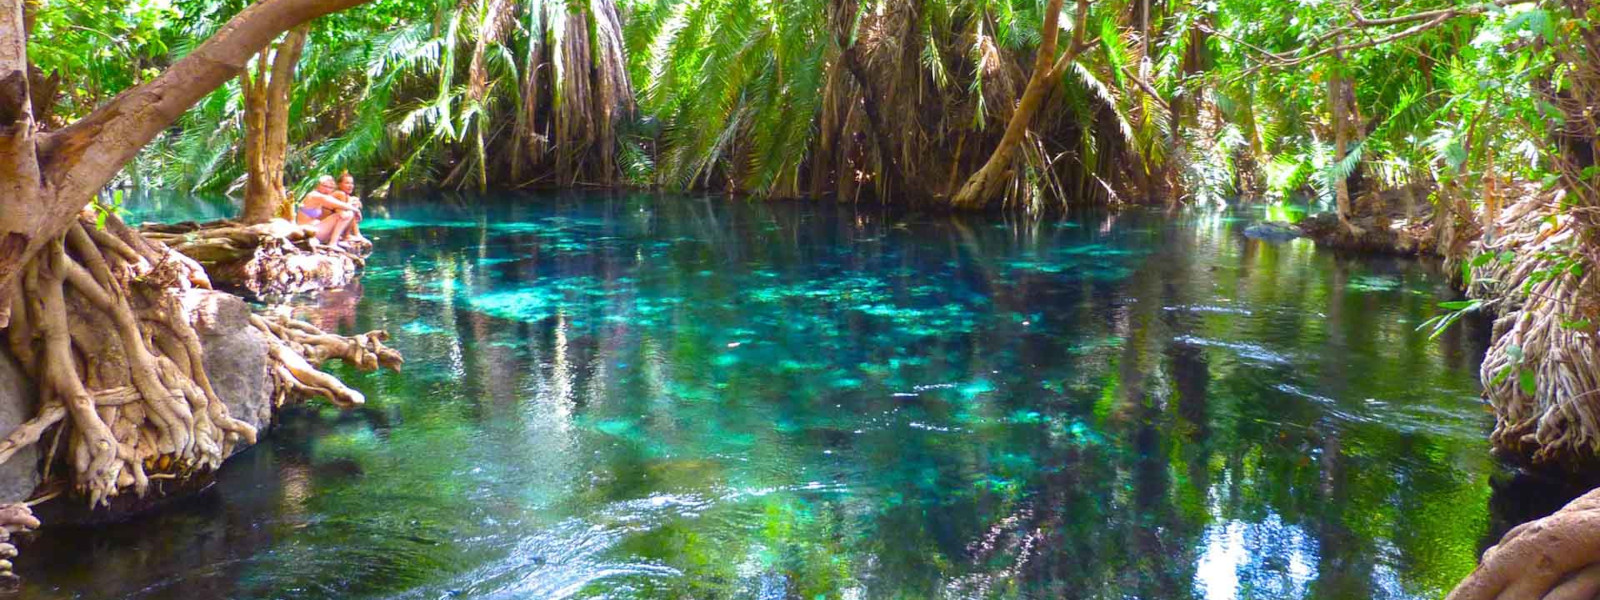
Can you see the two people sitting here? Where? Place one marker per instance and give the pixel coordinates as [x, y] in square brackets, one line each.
[333, 209]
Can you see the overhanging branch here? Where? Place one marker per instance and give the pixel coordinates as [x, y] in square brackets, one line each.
[83, 157]
[1427, 21]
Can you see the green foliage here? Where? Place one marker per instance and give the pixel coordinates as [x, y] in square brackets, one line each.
[464, 93]
[105, 206]
[102, 47]
[1454, 311]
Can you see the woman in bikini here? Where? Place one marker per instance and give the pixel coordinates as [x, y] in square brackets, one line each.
[346, 193]
[330, 214]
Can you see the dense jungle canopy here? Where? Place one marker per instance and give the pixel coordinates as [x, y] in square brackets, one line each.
[1141, 101]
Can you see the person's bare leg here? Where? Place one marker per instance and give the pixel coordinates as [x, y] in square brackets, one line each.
[325, 229]
[344, 221]
[355, 227]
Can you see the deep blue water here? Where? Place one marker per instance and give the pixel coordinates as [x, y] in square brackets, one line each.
[640, 396]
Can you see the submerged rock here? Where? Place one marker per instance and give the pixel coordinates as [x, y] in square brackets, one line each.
[1273, 231]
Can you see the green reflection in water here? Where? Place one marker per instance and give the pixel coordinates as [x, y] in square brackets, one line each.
[643, 397]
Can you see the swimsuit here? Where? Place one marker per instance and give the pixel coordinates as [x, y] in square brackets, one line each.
[314, 213]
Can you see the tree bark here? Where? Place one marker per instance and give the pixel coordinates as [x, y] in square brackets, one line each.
[49, 177]
[1338, 104]
[850, 58]
[986, 185]
[20, 211]
[266, 115]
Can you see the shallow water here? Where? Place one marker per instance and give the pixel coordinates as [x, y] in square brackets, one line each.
[630, 396]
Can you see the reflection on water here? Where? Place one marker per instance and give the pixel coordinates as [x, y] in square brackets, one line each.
[640, 397]
[142, 205]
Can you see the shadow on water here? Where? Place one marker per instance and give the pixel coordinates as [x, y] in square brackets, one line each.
[632, 396]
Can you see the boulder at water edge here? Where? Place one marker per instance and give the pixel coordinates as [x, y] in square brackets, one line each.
[235, 356]
[19, 475]
[236, 362]
[1273, 231]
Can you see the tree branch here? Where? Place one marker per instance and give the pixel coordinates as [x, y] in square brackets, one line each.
[1080, 23]
[83, 157]
[1431, 19]
[1362, 21]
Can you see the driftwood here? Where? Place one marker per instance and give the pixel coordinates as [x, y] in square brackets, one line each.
[267, 259]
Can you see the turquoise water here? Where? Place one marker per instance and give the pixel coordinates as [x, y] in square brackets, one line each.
[631, 396]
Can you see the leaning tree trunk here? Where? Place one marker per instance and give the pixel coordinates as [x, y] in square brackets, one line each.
[989, 182]
[266, 117]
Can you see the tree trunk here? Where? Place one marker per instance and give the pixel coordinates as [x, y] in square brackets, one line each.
[49, 177]
[21, 214]
[850, 58]
[1338, 105]
[588, 94]
[266, 116]
[987, 184]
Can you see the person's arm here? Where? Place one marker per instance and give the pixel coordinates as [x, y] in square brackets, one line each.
[350, 198]
[334, 203]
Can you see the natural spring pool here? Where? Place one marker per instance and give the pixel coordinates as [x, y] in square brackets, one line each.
[639, 396]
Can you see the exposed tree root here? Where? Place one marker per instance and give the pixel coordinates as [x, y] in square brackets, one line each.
[300, 348]
[14, 518]
[272, 258]
[106, 337]
[101, 325]
[1542, 372]
[1554, 558]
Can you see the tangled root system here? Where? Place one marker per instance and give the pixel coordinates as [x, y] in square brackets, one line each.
[1542, 371]
[273, 258]
[101, 325]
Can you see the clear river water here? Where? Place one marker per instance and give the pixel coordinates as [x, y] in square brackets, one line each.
[677, 397]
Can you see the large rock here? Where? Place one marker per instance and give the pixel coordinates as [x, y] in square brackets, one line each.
[235, 356]
[1273, 231]
[19, 475]
[235, 359]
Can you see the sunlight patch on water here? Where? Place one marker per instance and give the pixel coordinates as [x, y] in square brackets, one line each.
[1266, 559]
